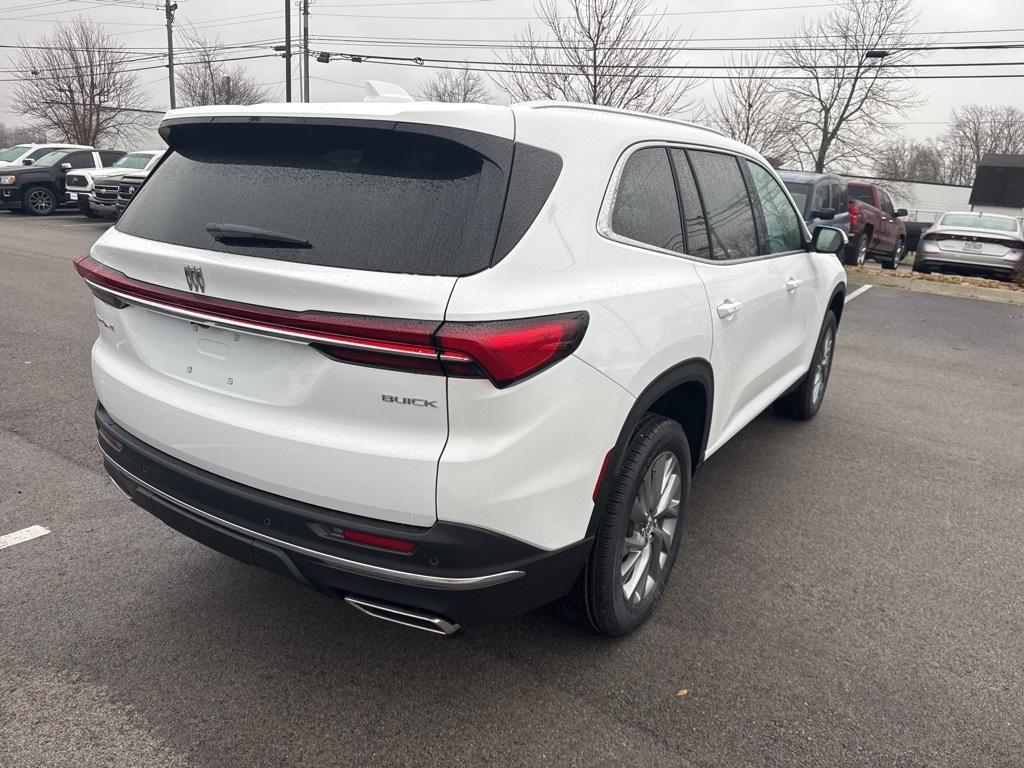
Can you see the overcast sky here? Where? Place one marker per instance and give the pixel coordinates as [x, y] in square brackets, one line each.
[260, 22]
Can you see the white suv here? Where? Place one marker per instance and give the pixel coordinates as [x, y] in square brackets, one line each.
[450, 362]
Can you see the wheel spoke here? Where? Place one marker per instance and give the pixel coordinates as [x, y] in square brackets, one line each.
[668, 504]
[635, 542]
[638, 573]
[629, 562]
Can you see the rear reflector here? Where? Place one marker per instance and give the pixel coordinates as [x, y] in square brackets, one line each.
[373, 540]
[504, 351]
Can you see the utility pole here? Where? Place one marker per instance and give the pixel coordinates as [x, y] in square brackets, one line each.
[287, 50]
[305, 50]
[169, 9]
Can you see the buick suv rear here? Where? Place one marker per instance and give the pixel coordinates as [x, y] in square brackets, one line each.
[425, 357]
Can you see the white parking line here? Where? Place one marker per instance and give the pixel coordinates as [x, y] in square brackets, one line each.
[25, 534]
[858, 292]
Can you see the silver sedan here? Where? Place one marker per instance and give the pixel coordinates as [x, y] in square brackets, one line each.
[972, 243]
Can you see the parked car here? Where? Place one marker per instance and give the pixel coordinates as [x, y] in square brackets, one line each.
[821, 198]
[876, 227]
[27, 154]
[451, 362]
[968, 242]
[39, 188]
[80, 185]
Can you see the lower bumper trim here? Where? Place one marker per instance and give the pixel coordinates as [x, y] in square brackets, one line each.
[339, 563]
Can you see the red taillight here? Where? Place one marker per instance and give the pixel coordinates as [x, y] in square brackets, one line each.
[507, 351]
[854, 214]
[504, 351]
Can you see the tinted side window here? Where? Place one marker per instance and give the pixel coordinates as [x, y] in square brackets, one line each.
[109, 158]
[80, 160]
[784, 233]
[36, 154]
[887, 203]
[820, 201]
[726, 205]
[839, 201]
[646, 208]
[693, 211]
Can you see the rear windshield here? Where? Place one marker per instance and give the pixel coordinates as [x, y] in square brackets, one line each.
[858, 192]
[799, 193]
[973, 221]
[363, 198]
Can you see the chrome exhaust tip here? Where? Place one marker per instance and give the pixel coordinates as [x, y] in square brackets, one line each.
[403, 616]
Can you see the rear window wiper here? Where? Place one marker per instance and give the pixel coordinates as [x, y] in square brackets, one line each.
[239, 234]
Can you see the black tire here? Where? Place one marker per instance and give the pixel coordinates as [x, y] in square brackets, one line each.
[893, 262]
[857, 252]
[804, 401]
[597, 600]
[86, 210]
[916, 267]
[39, 201]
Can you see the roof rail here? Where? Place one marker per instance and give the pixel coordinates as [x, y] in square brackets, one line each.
[552, 104]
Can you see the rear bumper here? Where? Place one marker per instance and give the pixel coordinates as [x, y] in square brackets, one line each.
[966, 264]
[465, 574]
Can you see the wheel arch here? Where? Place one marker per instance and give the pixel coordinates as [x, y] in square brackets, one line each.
[838, 301]
[684, 393]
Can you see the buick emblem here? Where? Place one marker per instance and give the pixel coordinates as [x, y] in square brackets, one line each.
[194, 278]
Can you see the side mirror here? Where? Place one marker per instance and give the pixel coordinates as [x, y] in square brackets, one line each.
[824, 213]
[828, 240]
[901, 212]
[65, 166]
[27, 161]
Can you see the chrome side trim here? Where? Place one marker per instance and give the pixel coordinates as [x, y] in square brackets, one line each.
[433, 624]
[341, 563]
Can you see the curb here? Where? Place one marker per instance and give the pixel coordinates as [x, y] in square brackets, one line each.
[962, 291]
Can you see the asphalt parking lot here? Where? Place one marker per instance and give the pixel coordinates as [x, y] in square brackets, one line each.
[850, 591]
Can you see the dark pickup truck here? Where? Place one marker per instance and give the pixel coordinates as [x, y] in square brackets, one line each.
[876, 229]
[39, 188]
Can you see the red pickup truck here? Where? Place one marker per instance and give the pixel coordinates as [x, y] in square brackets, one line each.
[876, 231]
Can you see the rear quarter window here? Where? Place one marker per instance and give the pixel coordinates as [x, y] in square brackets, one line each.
[364, 198]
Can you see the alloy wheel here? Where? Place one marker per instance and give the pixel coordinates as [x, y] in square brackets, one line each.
[652, 525]
[40, 201]
[862, 252]
[822, 365]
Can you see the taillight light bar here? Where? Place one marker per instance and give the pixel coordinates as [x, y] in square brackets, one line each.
[504, 351]
[854, 210]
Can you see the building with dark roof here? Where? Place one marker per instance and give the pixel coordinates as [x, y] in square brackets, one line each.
[999, 185]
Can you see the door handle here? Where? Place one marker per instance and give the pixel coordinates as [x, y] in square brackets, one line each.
[729, 308]
[792, 284]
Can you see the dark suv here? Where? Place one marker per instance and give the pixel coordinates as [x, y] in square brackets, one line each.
[39, 188]
[821, 197]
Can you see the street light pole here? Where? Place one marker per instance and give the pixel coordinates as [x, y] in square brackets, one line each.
[287, 50]
[169, 9]
[305, 50]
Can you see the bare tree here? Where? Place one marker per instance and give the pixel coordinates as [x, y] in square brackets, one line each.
[204, 78]
[609, 52]
[21, 134]
[76, 86]
[905, 159]
[459, 86]
[750, 108]
[843, 88]
[976, 131]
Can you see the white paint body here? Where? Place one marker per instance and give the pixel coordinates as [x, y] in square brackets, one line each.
[522, 461]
